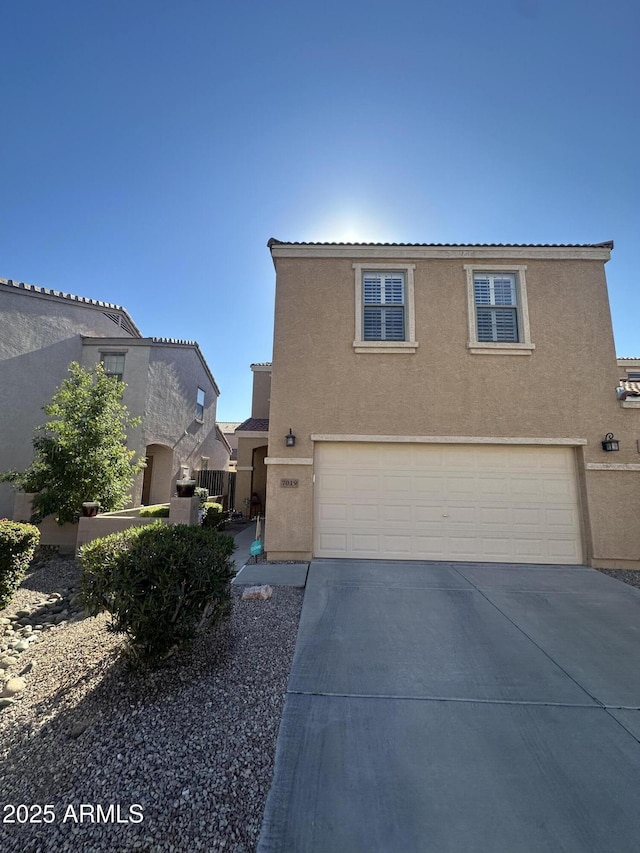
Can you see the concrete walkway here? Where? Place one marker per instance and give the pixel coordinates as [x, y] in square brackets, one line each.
[460, 707]
[250, 573]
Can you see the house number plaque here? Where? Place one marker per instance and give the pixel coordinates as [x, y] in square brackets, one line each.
[289, 484]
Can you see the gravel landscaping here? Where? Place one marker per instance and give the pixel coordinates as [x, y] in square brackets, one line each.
[632, 577]
[175, 759]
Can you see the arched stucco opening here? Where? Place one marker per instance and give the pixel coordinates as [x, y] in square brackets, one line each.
[157, 485]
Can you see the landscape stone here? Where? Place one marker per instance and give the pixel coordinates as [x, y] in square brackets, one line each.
[262, 592]
[14, 686]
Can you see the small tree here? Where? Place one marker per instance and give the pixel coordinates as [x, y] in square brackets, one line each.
[81, 453]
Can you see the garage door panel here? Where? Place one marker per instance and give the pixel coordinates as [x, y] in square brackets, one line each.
[366, 483]
[334, 542]
[365, 544]
[428, 484]
[365, 512]
[428, 513]
[435, 545]
[400, 483]
[334, 512]
[555, 488]
[401, 501]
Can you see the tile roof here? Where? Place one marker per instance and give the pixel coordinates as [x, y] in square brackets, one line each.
[608, 244]
[123, 320]
[631, 389]
[260, 364]
[254, 425]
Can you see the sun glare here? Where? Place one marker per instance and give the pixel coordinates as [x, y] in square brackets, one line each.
[351, 228]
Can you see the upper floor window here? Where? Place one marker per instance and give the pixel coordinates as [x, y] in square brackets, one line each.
[498, 310]
[113, 363]
[496, 306]
[383, 298]
[200, 405]
[384, 308]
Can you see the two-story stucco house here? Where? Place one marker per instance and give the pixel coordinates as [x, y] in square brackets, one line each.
[169, 384]
[448, 402]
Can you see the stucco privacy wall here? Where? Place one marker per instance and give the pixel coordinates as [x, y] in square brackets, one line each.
[564, 390]
[40, 337]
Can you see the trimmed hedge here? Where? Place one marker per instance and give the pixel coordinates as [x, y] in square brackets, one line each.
[154, 511]
[213, 516]
[18, 543]
[160, 583]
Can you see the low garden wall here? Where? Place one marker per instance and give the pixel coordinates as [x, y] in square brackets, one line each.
[68, 538]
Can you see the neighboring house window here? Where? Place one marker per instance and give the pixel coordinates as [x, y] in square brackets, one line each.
[113, 363]
[632, 376]
[384, 308]
[200, 405]
[204, 463]
[498, 310]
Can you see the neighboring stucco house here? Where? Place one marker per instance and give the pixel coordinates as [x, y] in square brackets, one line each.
[629, 385]
[228, 430]
[449, 402]
[168, 384]
[252, 437]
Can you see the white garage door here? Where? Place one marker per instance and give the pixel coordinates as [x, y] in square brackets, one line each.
[446, 502]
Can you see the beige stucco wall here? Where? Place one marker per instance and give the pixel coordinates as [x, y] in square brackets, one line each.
[53, 535]
[565, 389]
[40, 337]
[261, 394]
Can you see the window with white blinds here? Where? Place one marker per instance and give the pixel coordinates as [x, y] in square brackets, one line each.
[496, 304]
[383, 295]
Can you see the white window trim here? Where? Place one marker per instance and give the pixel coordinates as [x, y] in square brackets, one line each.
[522, 347]
[405, 347]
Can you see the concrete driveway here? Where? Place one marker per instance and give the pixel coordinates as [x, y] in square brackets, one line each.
[460, 707]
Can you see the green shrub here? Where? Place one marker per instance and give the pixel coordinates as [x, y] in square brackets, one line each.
[213, 516]
[202, 494]
[155, 511]
[161, 583]
[17, 545]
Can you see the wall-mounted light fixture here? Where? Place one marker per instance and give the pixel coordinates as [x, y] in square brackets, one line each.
[610, 443]
[290, 440]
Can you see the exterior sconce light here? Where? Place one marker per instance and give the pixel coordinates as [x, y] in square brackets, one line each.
[610, 443]
[290, 440]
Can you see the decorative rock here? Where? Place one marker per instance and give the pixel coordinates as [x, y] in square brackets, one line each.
[81, 726]
[6, 701]
[5, 663]
[21, 614]
[13, 686]
[4, 620]
[262, 592]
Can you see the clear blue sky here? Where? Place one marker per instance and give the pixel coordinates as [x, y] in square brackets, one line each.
[150, 148]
